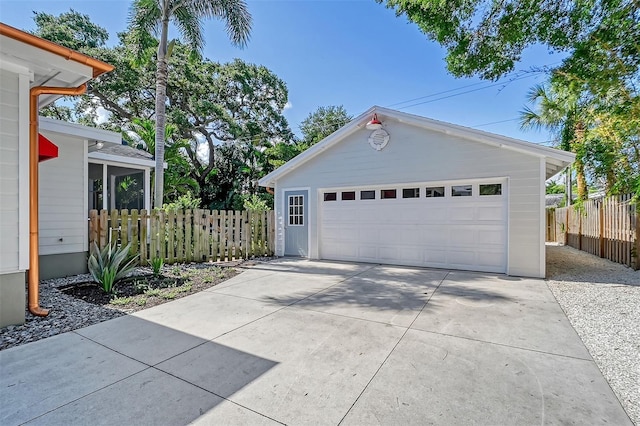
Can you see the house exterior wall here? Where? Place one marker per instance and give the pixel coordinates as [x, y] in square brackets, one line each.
[417, 155]
[63, 214]
[14, 208]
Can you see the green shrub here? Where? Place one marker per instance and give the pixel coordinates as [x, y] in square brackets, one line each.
[184, 202]
[156, 264]
[109, 265]
[255, 203]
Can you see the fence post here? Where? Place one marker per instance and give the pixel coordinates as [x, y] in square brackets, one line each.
[601, 228]
[188, 251]
[171, 230]
[94, 228]
[637, 245]
[114, 227]
[135, 236]
[144, 216]
[124, 227]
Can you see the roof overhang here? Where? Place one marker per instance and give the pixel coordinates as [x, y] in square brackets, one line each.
[91, 134]
[47, 63]
[121, 160]
[555, 160]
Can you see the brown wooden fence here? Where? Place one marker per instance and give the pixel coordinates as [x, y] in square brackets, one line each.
[609, 228]
[186, 236]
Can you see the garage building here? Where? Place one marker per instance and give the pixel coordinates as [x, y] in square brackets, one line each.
[396, 188]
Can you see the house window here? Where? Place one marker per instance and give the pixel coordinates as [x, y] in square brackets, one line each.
[411, 193]
[387, 193]
[367, 195]
[491, 189]
[461, 191]
[349, 195]
[296, 210]
[330, 196]
[434, 191]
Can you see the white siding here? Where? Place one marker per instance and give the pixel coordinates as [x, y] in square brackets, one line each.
[418, 155]
[9, 172]
[63, 215]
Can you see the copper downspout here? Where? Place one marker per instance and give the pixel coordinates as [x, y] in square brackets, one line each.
[34, 262]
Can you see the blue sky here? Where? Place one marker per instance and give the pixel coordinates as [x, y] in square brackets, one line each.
[353, 53]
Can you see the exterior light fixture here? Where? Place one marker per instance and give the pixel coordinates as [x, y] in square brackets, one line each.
[99, 144]
[374, 124]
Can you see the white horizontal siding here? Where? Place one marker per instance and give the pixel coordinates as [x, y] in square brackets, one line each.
[9, 177]
[418, 155]
[63, 219]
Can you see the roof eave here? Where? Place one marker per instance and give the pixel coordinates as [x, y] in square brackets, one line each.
[98, 66]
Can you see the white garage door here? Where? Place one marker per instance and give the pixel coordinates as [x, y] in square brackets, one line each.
[461, 225]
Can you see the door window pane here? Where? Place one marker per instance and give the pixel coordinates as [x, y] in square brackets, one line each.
[296, 210]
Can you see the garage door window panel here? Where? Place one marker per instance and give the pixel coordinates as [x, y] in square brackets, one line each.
[491, 189]
[387, 194]
[330, 196]
[348, 195]
[461, 191]
[367, 195]
[434, 191]
[411, 193]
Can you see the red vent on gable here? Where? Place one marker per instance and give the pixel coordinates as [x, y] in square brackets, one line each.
[46, 149]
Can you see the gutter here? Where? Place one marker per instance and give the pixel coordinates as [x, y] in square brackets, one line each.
[98, 66]
[34, 249]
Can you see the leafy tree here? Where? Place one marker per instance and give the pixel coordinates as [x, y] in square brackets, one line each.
[322, 122]
[154, 16]
[555, 188]
[487, 37]
[568, 115]
[71, 29]
[227, 118]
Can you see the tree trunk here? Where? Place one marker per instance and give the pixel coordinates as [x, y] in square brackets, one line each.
[583, 190]
[161, 118]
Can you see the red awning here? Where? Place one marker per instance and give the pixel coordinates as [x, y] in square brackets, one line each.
[46, 149]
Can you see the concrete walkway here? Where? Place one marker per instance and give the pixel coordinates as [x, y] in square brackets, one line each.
[304, 342]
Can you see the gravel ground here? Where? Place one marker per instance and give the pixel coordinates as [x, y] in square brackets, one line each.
[602, 301]
[68, 314]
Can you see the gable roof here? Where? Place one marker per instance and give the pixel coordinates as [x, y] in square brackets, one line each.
[555, 159]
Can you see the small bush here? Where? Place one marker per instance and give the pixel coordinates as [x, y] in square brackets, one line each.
[109, 265]
[184, 202]
[255, 203]
[156, 265]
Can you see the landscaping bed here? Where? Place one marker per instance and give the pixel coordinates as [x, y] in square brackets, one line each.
[76, 302]
[144, 289]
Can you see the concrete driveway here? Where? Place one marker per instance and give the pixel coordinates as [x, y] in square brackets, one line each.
[305, 342]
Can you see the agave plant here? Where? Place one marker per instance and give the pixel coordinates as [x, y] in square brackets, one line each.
[110, 264]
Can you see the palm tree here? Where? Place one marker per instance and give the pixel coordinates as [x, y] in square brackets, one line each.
[153, 17]
[566, 114]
